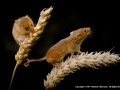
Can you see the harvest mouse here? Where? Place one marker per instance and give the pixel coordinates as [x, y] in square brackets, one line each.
[65, 46]
[21, 30]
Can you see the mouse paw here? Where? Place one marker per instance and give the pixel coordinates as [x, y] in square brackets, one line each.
[56, 64]
[79, 52]
[73, 56]
[21, 43]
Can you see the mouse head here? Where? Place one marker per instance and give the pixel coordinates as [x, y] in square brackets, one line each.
[81, 33]
[26, 24]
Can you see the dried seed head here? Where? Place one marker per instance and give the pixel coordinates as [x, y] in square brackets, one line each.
[72, 64]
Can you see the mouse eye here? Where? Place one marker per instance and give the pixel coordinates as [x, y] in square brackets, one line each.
[26, 28]
[84, 30]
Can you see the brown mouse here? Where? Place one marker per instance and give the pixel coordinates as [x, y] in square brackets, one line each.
[21, 30]
[65, 46]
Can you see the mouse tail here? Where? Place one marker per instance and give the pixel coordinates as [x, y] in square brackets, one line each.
[36, 60]
[13, 74]
[33, 60]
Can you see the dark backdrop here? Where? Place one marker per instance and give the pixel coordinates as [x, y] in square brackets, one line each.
[66, 16]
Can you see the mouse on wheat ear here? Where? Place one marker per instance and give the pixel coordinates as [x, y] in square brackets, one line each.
[70, 44]
[22, 29]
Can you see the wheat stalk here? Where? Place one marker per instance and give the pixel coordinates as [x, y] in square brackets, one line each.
[72, 64]
[29, 42]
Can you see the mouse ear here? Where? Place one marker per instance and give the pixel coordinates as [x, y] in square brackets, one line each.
[26, 16]
[71, 33]
[17, 22]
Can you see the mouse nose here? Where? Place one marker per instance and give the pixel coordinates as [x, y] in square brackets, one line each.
[32, 30]
[88, 29]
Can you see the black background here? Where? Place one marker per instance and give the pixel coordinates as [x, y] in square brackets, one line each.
[66, 16]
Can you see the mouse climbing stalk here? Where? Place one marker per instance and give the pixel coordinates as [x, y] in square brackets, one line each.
[71, 44]
[25, 35]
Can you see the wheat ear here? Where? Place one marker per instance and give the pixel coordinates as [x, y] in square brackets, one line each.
[72, 64]
[29, 42]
